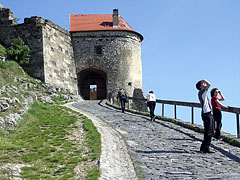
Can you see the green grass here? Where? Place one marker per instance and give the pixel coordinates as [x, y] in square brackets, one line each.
[139, 169]
[93, 138]
[58, 100]
[42, 138]
[3, 51]
[9, 71]
[41, 141]
[93, 174]
[11, 67]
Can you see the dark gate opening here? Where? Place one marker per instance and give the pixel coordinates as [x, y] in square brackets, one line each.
[92, 84]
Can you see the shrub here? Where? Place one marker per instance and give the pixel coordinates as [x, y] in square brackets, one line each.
[19, 52]
[2, 51]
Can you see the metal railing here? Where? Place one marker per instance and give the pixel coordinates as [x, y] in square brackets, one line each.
[192, 105]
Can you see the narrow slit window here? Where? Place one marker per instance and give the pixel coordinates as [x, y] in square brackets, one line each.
[98, 50]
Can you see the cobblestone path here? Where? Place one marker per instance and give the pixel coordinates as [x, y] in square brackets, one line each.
[162, 150]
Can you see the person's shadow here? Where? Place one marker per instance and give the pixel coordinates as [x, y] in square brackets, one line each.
[157, 121]
[225, 153]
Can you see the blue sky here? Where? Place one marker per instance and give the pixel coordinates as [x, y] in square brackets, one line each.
[184, 41]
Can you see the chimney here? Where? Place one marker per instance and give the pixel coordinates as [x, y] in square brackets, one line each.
[115, 18]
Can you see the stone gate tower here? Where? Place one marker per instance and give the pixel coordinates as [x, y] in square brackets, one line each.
[107, 54]
[99, 50]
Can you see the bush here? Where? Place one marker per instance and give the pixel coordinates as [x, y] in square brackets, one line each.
[19, 52]
[2, 51]
[3, 65]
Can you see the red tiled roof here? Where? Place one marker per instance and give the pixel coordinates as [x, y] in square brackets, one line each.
[97, 23]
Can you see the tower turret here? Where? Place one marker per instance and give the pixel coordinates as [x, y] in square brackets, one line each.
[6, 16]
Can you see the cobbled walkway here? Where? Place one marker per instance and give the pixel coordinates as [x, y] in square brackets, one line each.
[162, 150]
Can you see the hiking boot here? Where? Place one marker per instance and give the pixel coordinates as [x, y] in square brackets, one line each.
[153, 119]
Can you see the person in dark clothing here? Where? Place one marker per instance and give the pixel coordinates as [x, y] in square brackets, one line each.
[217, 114]
[151, 103]
[122, 96]
[207, 116]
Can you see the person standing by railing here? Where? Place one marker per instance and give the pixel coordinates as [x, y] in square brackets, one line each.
[207, 115]
[151, 103]
[217, 114]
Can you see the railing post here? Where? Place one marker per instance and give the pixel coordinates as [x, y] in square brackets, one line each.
[188, 104]
[192, 115]
[175, 111]
[162, 109]
[238, 128]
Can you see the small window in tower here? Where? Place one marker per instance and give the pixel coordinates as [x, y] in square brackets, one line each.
[98, 50]
[123, 25]
[106, 25]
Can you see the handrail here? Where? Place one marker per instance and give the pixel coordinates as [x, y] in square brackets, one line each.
[193, 105]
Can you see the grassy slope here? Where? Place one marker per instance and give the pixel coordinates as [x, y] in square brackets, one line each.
[45, 139]
[8, 70]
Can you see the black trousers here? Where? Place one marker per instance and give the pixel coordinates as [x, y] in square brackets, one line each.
[152, 105]
[208, 122]
[123, 101]
[217, 114]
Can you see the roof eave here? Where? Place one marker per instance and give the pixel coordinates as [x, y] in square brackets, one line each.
[141, 37]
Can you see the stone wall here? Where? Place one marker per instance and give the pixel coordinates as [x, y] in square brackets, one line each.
[120, 58]
[31, 33]
[59, 64]
[50, 46]
[6, 16]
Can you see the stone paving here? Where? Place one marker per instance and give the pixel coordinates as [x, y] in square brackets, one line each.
[162, 150]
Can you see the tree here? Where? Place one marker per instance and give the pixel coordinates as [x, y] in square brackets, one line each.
[19, 52]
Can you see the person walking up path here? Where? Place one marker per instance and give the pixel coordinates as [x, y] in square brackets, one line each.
[122, 96]
[162, 150]
[151, 103]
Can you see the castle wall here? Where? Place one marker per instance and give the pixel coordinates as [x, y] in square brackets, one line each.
[50, 49]
[6, 16]
[59, 64]
[54, 53]
[31, 33]
[120, 58]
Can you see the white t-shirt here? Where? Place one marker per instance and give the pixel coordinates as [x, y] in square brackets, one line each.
[151, 97]
[203, 98]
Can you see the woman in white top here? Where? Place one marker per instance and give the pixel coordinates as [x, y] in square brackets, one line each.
[151, 103]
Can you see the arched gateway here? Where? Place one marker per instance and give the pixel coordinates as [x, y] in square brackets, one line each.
[107, 54]
[92, 84]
